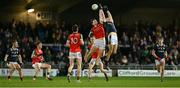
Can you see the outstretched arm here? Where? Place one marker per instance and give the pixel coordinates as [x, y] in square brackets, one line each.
[110, 16]
[82, 41]
[102, 18]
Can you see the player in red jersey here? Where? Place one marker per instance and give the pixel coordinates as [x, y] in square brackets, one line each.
[94, 60]
[98, 32]
[74, 42]
[37, 61]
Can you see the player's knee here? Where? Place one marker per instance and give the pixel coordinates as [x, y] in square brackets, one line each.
[49, 66]
[71, 66]
[19, 69]
[158, 65]
[37, 70]
[12, 69]
[115, 52]
[79, 66]
[90, 69]
[111, 51]
[102, 70]
[90, 66]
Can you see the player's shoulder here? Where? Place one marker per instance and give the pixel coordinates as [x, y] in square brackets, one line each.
[100, 25]
[13, 49]
[78, 34]
[164, 45]
[9, 50]
[74, 35]
[156, 45]
[18, 49]
[70, 35]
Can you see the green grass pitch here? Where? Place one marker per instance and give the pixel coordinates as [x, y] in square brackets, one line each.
[120, 82]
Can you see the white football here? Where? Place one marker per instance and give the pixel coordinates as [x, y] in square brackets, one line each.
[94, 7]
[124, 61]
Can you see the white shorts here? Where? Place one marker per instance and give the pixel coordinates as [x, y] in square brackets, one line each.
[37, 64]
[76, 55]
[157, 62]
[13, 63]
[113, 39]
[100, 43]
[93, 62]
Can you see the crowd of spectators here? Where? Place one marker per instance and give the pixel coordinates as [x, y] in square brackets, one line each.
[135, 41]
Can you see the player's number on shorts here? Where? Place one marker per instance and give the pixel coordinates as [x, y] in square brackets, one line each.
[74, 40]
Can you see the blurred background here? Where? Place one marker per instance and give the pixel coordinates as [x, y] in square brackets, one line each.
[138, 23]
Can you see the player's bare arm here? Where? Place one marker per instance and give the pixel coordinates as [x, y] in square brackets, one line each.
[166, 54]
[5, 58]
[67, 44]
[154, 54]
[110, 16]
[102, 18]
[33, 55]
[82, 41]
[86, 54]
[20, 59]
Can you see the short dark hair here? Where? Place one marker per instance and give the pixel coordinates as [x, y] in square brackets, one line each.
[160, 38]
[13, 41]
[91, 20]
[37, 43]
[75, 28]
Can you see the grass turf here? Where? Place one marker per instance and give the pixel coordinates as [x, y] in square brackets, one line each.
[126, 82]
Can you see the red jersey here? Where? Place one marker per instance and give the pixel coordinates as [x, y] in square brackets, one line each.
[98, 31]
[37, 56]
[75, 42]
[95, 54]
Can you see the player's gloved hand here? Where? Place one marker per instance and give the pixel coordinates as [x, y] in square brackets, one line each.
[21, 64]
[105, 7]
[100, 6]
[6, 63]
[167, 58]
